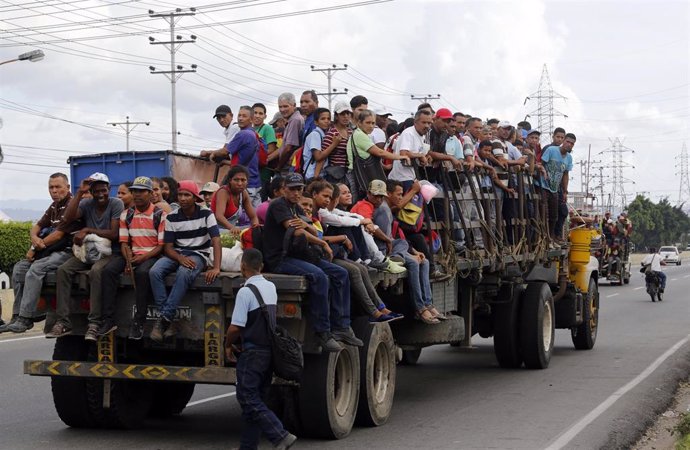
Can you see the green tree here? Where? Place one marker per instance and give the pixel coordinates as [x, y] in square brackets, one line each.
[656, 224]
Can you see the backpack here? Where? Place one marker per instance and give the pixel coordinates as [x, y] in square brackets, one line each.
[252, 238]
[261, 152]
[157, 216]
[286, 351]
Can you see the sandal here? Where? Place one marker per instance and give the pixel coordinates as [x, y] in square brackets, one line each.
[437, 315]
[426, 316]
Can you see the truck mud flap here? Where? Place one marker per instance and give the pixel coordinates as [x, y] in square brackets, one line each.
[413, 333]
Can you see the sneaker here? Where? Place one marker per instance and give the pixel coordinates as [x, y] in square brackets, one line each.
[59, 330]
[347, 336]
[6, 326]
[108, 326]
[327, 343]
[91, 332]
[287, 442]
[136, 331]
[436, 274]
[158, 330]
[377, 265]
[394, 268]
[399, 260]
[172, 329]
[21, 325]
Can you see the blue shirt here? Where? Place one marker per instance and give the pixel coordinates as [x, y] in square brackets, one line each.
[245, 146]
[311, 145]
[556, 165]
[309, 125]
[454, 148]
[247, 312]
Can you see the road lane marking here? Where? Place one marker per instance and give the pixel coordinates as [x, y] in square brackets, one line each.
[2, 341]
[210, 399]
[638, 288]
[613, 295]
[674, 279]
[686, 276]
[567, 436]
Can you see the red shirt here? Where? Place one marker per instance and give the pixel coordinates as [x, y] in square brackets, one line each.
[364, 208]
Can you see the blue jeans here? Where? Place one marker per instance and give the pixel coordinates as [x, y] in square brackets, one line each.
[662, 279]
[253, 380]
[27, 281]
[418, 279]
[329, 292]
[167, 304]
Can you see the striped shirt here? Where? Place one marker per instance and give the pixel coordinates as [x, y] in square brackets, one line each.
[53, 215]
[192, 234]
[338, 156]
[140, 233]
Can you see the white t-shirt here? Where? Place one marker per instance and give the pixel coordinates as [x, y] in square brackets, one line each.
[378, 136]
[655, 260]
[412, 141]
[230, 132]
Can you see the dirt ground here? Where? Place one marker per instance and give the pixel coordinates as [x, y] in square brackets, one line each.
[659, 436]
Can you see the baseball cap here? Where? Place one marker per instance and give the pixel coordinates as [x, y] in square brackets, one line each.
[444, 113]
[276, 117]
[209, 188]
[342, 107]
[294, 180]
[142, 183]
[504, 124]
[533, 132]
[99, 177]
[191, 187]
[382, 112]
[378, 187]
[222, 110]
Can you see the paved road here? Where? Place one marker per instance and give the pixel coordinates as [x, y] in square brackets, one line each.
[452, 400]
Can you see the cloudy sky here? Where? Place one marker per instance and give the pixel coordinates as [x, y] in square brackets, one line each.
[622, 65]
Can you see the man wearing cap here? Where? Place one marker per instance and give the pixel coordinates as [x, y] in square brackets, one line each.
[50, 247]
[190, 233]
[438, 138]
[207, 192]
[101, 216]
[293, 130]
[328, 284]
[141, 242]
[378, 136]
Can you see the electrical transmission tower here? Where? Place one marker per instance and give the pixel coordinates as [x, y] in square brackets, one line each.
[176, 71]
[616, 167]
[545, 111]
[128, 127]
[682, 165]
[328, 71]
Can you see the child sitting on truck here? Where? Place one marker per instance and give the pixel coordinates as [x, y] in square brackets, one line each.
[190, 232]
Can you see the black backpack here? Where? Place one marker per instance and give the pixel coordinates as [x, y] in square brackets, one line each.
[157, 216]
[286, 351]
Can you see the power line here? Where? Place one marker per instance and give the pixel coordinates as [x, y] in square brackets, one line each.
[329, 71]
[128, 127]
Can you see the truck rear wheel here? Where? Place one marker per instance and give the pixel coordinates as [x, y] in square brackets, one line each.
[377, 372]
[537, 325]
[507, 330]
[170, 399]
[329, 393]
[69, 394]
[585, 335]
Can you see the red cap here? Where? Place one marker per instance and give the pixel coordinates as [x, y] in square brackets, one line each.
[444, 113]
[191, 187]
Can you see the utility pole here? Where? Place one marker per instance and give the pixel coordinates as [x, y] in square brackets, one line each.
[425, 98]
[545, 111]
[128, 127]
[616, 167]
[682, 165]
[328, 71]
[175, 71]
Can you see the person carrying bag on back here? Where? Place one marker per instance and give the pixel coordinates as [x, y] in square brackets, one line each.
[255, 366]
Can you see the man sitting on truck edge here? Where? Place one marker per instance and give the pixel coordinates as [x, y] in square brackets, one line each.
[141, 239]
[101, 216]
[254, 371]
[190, 232]
[329, 285]
[49, 249]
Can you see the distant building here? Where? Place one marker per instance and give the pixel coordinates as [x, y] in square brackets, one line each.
[4, 217]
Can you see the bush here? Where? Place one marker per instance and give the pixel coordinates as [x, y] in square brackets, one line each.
[14, 243]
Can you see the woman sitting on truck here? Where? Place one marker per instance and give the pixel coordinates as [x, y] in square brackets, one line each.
[230, 200]
[169, 187]
[124, 194]
[157, 198]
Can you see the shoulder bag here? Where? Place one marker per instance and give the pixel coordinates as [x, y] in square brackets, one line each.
[366, 170]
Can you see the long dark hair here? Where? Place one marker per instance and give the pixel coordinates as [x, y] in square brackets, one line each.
[172, 186]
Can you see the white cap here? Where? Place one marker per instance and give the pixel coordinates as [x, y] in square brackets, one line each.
[341, 107]
[503, 124]
[94, 177]
[382, 112]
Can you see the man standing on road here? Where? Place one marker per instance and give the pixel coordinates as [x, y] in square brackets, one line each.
[49, 249]
[254, 371]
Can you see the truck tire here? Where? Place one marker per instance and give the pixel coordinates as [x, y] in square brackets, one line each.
[69, 394]
[169, 399]
[537, 325]
[410, 357]
[377, 372]
[329, 393]
[585, 335]
[507, 332]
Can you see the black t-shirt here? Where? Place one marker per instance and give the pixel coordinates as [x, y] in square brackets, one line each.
[437, 143]
[279, 210]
